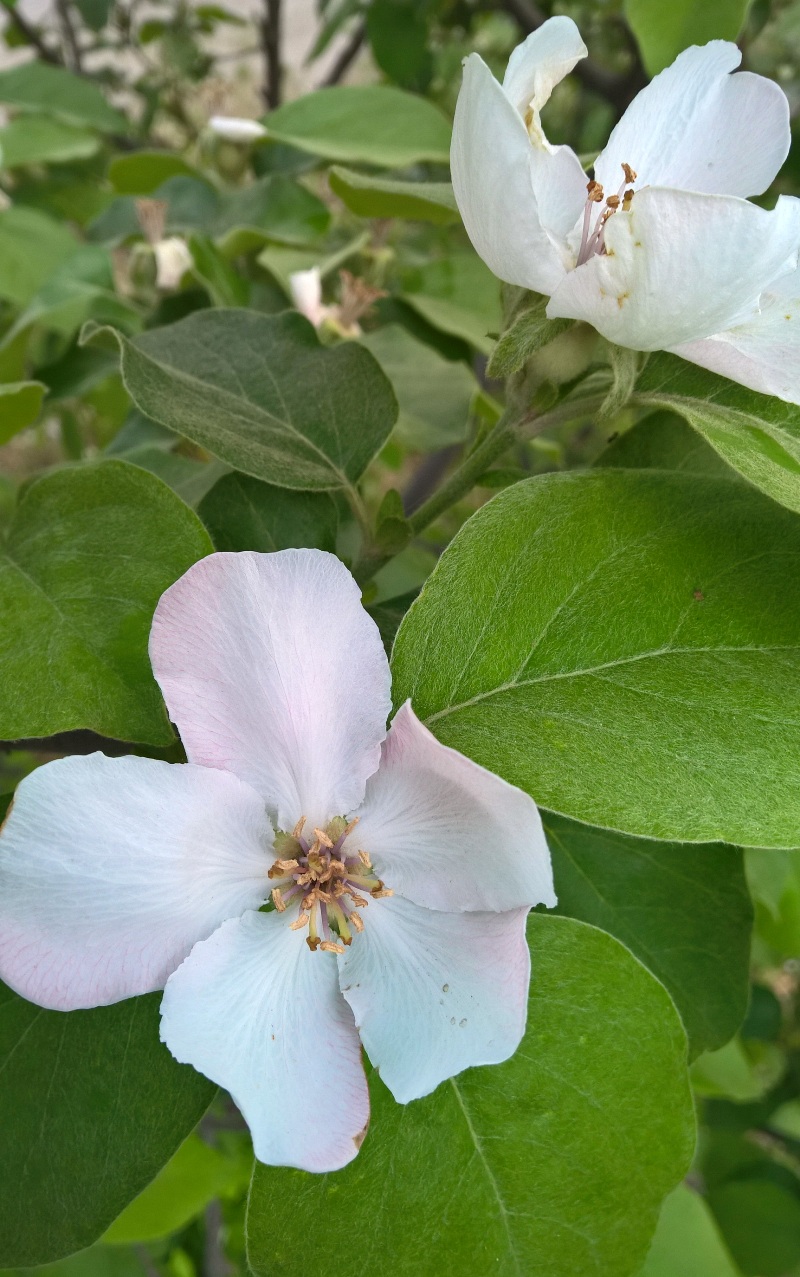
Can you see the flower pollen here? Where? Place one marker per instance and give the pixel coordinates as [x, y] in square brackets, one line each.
[326, 882]
[593, 237]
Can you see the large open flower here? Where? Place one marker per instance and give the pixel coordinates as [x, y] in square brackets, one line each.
[401, 873]
[662, 249]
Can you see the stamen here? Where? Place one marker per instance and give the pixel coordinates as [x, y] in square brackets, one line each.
[330, 947]
[381, 892]
[300, 921]
[278, 901]
[365, 860]
[298, 829]
[323, 838]
[630, 174]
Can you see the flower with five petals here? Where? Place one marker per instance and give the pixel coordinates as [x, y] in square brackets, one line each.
[401, 873]
[662, 249]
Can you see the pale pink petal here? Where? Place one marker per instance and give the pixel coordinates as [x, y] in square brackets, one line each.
[272, 669]
[699, 128]
[449, 834]
[112, 868]
[260, 1014]
[434, 993]
[680, 266]
[763, 352]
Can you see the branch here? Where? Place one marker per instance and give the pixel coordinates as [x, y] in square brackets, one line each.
[619, 90]
[271, 46]
[31, 34]
[347, 56]
[70, 38]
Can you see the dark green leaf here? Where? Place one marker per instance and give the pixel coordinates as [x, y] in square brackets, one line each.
[88, 555]
[624, 646]
[92, 1105]
[664, 441]
[684, 911]
[530, 330]
[760, 1222]
[434, 394]
[261, 393]
[142, 172]
[225, 287]
[242, 513]
[554, 1163]
[20, 405]
[663, 30]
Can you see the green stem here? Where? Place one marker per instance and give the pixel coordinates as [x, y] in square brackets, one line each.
[505, 434]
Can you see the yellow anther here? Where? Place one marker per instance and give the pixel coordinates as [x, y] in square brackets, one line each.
[627, 200]
[298, 829]
[328, 946]
[278, 900]
[613, 202]
[365, 860]
[322, 838]
[381, 892]
[630, 174]
[595, 191]
[300, 921]
[356, 921]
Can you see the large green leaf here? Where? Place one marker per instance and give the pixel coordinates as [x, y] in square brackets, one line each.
[434, 394]
[663, 30]
[687, 1241]
[35, 139]
[32, 247]
[459, 295]
[88, 554]
[370, 124]
[760, 1221]
[92, 1105]
[664, 441]
[242, 513]
[142, 172]
[261, 393]
[554, 1163]
[626, 646]
[755, 434]
[35, 86]
[390, 197]
[20, 405]
[684, 911]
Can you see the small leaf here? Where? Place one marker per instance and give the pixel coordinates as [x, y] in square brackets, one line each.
[35, 86]
[242, 513]
[688, 1242]
[92, 1106]
[553, 1163]
[389, 197]
[392, 529]
[368, 124]
[20, 405]
[459, 295]
[32, 247]
[224, 285]
[261, 393]
[663, 30]
[88, 555]
[684, 911]
[529, 332]
[35, 139]
[434, 394]
[142, 172]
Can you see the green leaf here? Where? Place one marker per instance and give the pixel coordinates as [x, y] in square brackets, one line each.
[663, 30]
[20, 405]
[224, 285]
[529, 332]
[684, 911]
[245, 514]
[737, 1072]
[390, 197]
[552, 1163]
[283, 262]
[435, 394]
[35, 86]
[624, 646]
[32, 247]
[193, 1177]
[261, 393]
[142, 172]
[664, 441]
[98, 1261]
[187, 476]
[760, 1222]
[92, 1105]
[687, 1241]
[755, 434]
[364, 124]
[80, 289]
[399, 39]
[459, 295]
[275, 208]
[88, 555]
[36, 139]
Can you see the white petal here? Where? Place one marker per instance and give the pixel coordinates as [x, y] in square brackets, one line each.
[448, 834]
[540, 63]
[680, 266]
[306, 289]
[764, 351]
[517, 226]
[435, 993]
[700, 128]
[173, 259]
[234, 129]
[260, 1014]
[112, 868]
[272, 669]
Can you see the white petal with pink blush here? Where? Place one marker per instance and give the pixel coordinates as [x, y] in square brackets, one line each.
[399, 873]
[661, 249]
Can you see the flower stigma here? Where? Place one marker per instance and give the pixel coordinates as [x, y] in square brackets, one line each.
[593, 237]
[325, 881]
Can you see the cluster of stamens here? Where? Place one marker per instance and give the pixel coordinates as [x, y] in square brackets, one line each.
[327, 884]
[593, 238]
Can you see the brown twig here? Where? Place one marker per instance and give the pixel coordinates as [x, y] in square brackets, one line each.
[70, 35]
[347, 56]
[30, 33]
[271, 46]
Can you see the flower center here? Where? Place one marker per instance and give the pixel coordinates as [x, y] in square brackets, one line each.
[593, 237]
[325, 882]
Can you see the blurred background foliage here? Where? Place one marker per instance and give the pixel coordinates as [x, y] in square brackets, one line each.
[118, 204]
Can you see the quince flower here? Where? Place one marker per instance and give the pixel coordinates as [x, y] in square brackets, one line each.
[661, 250]
[356, 299]
[234, 128]
[401, 872]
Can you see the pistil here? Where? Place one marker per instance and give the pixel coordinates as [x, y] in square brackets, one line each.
[325, 881]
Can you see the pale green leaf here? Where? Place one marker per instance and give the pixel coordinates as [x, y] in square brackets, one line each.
[390, 197]
[32, 247]
[663, 30]
[20, 405]
[435, 394]
[35, 86]
[37, 139]
[687, 1241]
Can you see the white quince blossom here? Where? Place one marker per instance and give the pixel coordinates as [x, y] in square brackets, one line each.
[233, 128]
[666, 253]
[173, 259]
[305, 287]
[119, 876]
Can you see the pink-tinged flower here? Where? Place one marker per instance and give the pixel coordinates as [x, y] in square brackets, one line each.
[662, 249]
[400, 871]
